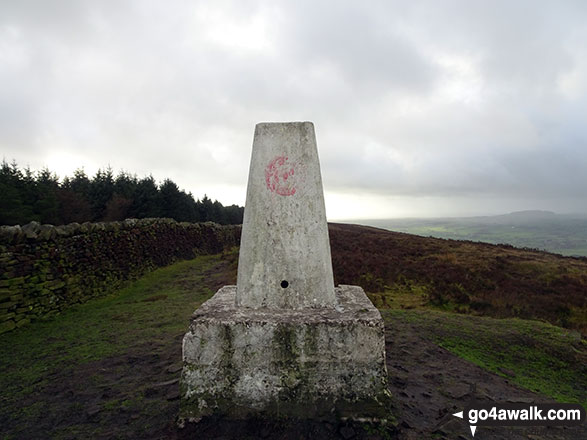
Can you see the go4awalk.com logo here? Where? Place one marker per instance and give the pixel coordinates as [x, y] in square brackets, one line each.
[520, 414]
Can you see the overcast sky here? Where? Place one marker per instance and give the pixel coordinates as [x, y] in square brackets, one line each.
[421, 108]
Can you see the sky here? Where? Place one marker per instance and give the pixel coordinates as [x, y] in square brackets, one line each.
[421, 108]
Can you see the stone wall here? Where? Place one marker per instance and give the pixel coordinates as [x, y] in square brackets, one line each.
[45, 269]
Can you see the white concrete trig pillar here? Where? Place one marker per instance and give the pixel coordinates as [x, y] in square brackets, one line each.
[284, 259]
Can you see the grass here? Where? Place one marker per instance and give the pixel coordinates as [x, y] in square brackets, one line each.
[405, 295]
[475, 278]
[152, 310]
[543, 358]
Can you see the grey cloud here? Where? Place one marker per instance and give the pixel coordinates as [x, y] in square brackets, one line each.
[363, 43]
[446, 99]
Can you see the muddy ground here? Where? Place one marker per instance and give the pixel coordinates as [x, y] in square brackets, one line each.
[135, 395]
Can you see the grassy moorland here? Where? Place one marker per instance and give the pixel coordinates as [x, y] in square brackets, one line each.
[534, 355]
[462, 276]
[104, 365]
[109, 368]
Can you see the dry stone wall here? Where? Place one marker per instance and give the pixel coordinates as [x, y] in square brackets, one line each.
[45, 269]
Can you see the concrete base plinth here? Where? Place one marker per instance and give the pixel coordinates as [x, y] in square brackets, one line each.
[322, 363]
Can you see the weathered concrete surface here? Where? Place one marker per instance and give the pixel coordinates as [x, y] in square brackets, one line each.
[284, 341]
[313, 363]
[284, 259]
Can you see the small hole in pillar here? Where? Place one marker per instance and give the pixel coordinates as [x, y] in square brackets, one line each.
[284, 284]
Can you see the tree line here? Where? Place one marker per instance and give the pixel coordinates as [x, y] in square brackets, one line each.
[40, 196]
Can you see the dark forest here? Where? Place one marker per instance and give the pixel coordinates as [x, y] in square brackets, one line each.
[42, 196]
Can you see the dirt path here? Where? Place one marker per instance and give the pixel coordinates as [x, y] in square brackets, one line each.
[135, 395]
[430, 384]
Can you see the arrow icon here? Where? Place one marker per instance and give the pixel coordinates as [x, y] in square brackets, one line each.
[460, 416]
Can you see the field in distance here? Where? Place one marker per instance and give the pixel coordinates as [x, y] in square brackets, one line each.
[544, 230]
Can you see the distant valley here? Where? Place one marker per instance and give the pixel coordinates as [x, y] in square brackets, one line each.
[544, 230]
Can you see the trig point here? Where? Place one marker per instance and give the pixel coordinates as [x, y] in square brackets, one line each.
[284, 259]
[285, 342]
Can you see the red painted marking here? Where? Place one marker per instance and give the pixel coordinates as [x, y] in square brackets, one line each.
[277, 174]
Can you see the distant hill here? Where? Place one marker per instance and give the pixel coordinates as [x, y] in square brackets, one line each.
[531, 214]
[515, 217]
[544, 230]
[464, 276]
